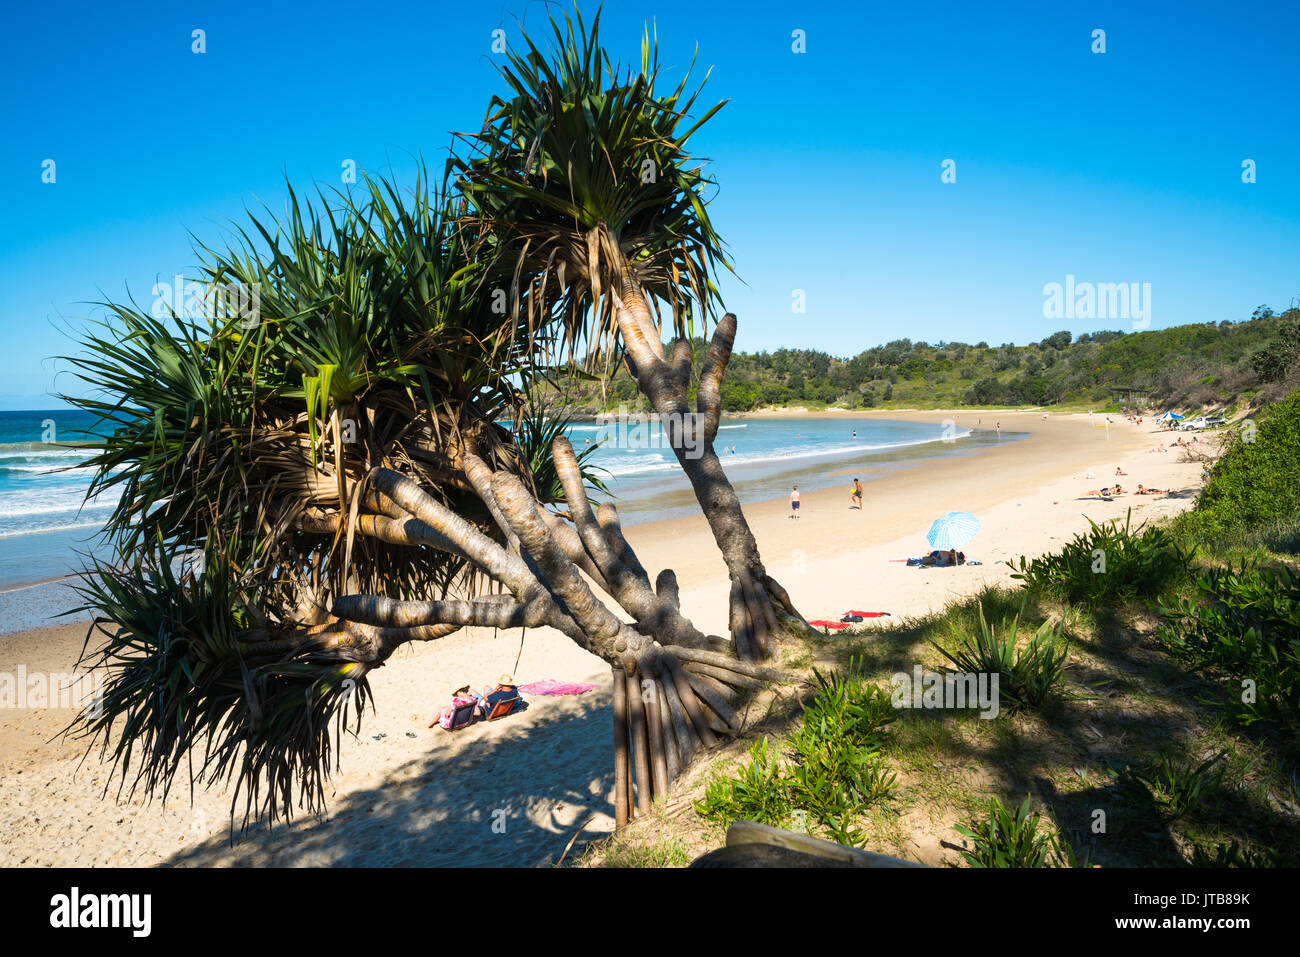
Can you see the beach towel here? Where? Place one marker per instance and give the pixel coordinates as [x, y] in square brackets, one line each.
[822, 623]
[549, 686]
[867, 614]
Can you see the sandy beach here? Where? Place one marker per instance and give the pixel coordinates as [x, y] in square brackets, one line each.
[513, 792]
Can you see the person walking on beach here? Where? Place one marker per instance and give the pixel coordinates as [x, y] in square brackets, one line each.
[855, 498]
[794, 503]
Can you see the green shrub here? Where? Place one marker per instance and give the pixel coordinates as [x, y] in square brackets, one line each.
[1109, 563]
[1027, 677]
[758, 794]
[1232, 855]
[1176, 788]
[834, 772]
[1244, 621]
[1006, 838]
[837, 771]
[1256, 482]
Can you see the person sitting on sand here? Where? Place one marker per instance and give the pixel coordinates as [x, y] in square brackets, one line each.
[504, 691]
[943, 559]
[461, 697]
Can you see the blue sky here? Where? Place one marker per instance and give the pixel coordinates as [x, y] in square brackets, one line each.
[1123, 166]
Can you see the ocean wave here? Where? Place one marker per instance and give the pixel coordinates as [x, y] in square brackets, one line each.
[53, 459]
[20, 510]
[49, 528]
[18, 501]
[46, 448]
[54, 470]
[637, 464]
[659, 462]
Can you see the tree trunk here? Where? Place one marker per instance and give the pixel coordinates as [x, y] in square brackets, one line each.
[673, 685]
[760, 607]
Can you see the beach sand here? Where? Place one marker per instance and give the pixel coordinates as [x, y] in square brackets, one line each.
[513, 792]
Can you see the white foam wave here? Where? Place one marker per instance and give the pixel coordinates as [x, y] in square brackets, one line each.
[46, 529]
[659, 462]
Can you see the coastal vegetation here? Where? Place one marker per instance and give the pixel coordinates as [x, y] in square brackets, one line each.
[1251, 490]
[1171, 733]
[307, 485]
[1216, 365]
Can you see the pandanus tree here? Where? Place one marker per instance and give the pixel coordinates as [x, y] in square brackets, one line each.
[309, 484]
[582, 176]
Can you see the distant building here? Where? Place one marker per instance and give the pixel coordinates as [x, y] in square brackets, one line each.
[1130, 394]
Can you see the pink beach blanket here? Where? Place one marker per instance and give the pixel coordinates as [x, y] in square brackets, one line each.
[549, 686]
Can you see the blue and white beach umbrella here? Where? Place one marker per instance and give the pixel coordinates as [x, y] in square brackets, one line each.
[954, 530]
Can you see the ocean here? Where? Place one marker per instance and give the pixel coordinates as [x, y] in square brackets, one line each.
[47, 525]
[765, 457]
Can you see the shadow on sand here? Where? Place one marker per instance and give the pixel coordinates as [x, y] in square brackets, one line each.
[463, 809]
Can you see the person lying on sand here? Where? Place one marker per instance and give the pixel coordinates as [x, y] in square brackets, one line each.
[1143, 490]
[1107, 491]
[943, 559]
